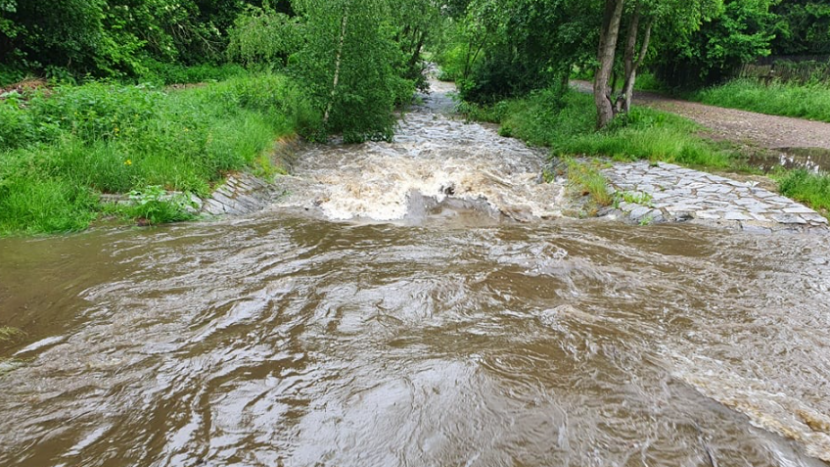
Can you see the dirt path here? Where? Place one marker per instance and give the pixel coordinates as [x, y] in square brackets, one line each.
[749, 128]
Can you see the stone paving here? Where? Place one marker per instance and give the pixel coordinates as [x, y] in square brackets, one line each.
[647, 192]
[241, 194]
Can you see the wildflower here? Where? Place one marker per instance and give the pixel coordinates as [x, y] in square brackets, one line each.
[128, 162]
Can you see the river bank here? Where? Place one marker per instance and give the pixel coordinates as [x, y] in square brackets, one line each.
[65, 151]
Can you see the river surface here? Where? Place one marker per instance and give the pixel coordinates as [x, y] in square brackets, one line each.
[437, 314]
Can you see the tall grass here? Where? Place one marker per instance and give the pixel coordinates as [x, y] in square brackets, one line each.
[811, 101]
[567, 127]
[160, 73]
[808, 187]
[60, 148]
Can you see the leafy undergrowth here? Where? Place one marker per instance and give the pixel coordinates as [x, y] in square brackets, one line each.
[61, 148]
[811, 101]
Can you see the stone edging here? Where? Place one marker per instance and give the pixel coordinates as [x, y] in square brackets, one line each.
[670, 193]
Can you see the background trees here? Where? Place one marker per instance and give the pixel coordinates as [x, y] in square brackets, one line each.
[510, 47]
[492, 48]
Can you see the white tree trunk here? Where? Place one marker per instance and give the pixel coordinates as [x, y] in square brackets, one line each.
[343, 24]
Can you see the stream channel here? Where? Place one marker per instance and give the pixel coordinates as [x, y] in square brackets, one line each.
[420, 303]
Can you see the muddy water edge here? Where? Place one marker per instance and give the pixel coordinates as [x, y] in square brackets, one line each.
[412, 319]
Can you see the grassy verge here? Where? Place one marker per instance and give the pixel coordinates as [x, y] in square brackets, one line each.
[566, 125]
[790, 100]
[60, 148]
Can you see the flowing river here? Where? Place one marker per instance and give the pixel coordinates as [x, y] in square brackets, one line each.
[420, 303]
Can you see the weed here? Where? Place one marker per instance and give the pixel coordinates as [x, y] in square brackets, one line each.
[586, 178]
[643, 199]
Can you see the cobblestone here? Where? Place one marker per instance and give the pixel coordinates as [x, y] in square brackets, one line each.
[681, 194]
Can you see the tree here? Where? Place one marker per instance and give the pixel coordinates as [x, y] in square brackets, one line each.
[348, 67]
[803, 27]
[739, 32]
[676, 17]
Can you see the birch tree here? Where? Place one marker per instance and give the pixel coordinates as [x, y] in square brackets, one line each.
[348, 67]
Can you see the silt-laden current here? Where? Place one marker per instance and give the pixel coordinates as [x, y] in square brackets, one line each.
[419, 303]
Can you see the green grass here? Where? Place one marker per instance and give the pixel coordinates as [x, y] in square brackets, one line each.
[807, 187]
[61, 148]
[791, 100]
[567, 127]
[586, 177]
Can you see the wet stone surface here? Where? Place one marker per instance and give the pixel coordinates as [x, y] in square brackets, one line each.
[241, 194]
[669, 193]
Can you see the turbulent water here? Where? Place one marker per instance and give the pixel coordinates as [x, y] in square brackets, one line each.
[420, 313]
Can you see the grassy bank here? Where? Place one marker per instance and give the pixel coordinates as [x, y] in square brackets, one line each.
[790, 100]
[61, 148]
[567, 127]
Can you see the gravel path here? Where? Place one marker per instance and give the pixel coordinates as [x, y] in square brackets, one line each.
[767, 131]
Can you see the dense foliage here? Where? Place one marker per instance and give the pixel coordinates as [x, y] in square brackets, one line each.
[803, 27]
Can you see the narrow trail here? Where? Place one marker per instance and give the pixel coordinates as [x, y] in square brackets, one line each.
[739, 126]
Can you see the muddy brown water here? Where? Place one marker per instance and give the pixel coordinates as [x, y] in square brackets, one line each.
[454, 335]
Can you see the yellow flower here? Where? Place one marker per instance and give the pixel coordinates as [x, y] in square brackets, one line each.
[128, 162]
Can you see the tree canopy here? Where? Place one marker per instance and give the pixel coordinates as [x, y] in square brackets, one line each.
[358, 58]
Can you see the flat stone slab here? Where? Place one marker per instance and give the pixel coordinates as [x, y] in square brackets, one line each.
[241, 194]
[682, 194]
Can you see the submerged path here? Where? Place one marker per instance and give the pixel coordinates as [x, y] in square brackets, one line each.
[406, 305]
[667, 192]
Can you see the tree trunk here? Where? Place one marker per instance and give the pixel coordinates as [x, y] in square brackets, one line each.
[628, 58]
[632, 60]
[629, 93]
[607, 50]
[338, 61]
